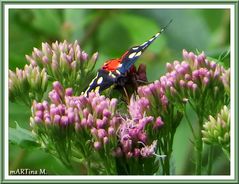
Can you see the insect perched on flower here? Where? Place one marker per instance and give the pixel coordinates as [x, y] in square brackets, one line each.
[114, 70]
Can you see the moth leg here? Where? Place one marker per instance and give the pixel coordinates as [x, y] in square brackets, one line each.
[127, 96]
[142, 81]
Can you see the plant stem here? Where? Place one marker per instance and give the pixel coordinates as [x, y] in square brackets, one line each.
[198, 145]
[167, 149]
[190, 125]
[167, 164]
[210, 155]
[88, 167]
[198, 156]
[20, 156]
[226, 151]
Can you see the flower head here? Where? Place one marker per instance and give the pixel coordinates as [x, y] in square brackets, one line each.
[197, 79]
[155, 94]
[27, 84]
[65, 62]
[94, 116]
[217, 129]
[134, 139]
[138, 107]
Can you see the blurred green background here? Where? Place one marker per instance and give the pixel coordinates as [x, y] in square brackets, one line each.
[111, 32]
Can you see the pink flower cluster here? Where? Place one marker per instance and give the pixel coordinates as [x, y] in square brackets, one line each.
[134, 139]
[95, 115]
[193, 76]
[155, 93]
[135, 134]
[59, 55]
[27, 84]
[65, 62]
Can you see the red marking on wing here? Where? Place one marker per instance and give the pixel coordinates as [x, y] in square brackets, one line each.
[123, 56]
[111, 65]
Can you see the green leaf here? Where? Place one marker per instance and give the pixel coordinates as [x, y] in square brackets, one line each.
[114, 39]
[22, 38]
[151, 165]
[118, 33]
[221, 56]
[133, 24]
[188, 30]
[75, 21]
[209, 16]
[47, 21]
[22, 137]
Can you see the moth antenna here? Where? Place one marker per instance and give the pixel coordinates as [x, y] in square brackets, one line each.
[165, 27]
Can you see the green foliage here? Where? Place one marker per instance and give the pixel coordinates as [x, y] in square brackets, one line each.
[47, 21]
[22, 137]
[74, 24]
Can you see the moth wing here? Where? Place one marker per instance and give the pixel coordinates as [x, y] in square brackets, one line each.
[130, 57]
[103, 80]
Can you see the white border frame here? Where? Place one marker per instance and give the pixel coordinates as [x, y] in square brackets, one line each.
[119, 6]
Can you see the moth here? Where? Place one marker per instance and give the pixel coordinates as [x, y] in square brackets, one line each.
[114, 70]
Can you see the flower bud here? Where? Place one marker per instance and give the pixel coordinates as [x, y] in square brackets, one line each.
[97, 145]
[69, 92]
[84, 56]
[64, 120]
[37, 119]
[101, 133]
[94, 57]
[217, 130]
[105, 140]
[158, 123]
[185, 54]
[111, 130]
[57, 119]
